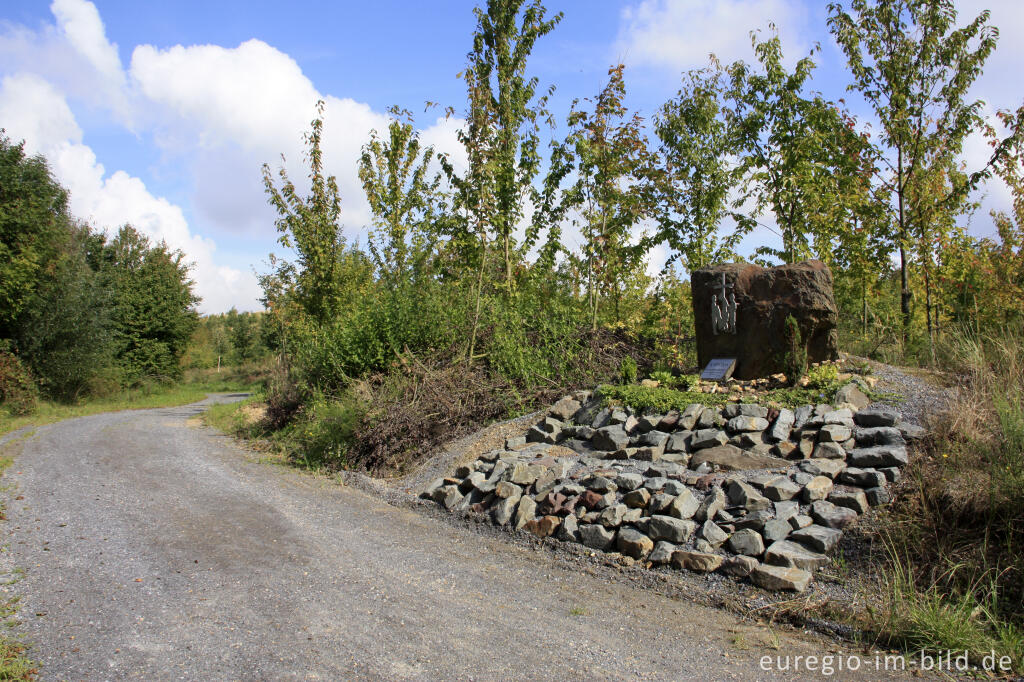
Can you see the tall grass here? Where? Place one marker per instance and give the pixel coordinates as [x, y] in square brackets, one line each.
[956, 539]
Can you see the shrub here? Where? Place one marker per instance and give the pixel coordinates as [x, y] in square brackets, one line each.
[795, 361]
[18, 392]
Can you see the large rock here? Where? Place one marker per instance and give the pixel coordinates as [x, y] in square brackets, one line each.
[780, 578]
[732, 458]
[765, 297]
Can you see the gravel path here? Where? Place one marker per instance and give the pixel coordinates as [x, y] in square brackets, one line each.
[155, 549]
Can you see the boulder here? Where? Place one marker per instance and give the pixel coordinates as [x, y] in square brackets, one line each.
[732, 458]
[544, 527]
[739, 566]
[672, 529]
[851, 394]
[831, 515]
[596, 536]
[765, 297]
[610, 438]
[684, 506]
[817, 489]
[877, 415]
[632, 542]
[818, 538]
[878, 456]
[747, 542]
[786, 553]
[662, 553]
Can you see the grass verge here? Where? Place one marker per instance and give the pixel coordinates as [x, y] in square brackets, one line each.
[192, 389]
[14, 661]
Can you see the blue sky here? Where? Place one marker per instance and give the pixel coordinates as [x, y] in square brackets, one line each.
[161, 113]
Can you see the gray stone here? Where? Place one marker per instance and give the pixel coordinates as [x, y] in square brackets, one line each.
[850, 394]
[754, 520]
[708, 417]
[747, 542]
[802, 478]
[801, 415]
[684, 506]
[818, 489]
[739, 566]
[713, 503]
[662, 553]
[506, 490]
[834, 433]
[743, 494]
[776, 529]
[524, 474]
[654, 439]
[822, 467]
[629, 481]
[632, 516]
[818, 538]
[679, 442]
[743, 423]
[610, 438]
[842, 416]
[660, 502]
[515, 442]
[851, 499]
[786, 510]
[611, 516]
[780, 578]
[832, 516]
[649, 454]
[670, 528]
[674, 487]
[689, 417]
[708, 438]
[862, 478]
[878, 456]
[600, 484]
[502, 511]
[569, 530]
[637, 499]
[878, 435]
[526, 512]
[596, 536]
[829, 450]
[565, 408]
[699, 562]
[450, 496]
[800, 521]
[782, 426]
[792, 554]
[632, 542]
[877, 415]
[713, 534]
[781, 488]
[878, 496]
[892, 474]
[602, 418]
[732, 458]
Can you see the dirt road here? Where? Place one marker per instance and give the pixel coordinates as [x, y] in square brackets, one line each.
[155, 549]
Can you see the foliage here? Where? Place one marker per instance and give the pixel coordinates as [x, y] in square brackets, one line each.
[628, 370]
[658, 400]
[795, 361]
[33, 227]
[18, 392]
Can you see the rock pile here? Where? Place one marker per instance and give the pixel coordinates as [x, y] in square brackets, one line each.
[741, 489]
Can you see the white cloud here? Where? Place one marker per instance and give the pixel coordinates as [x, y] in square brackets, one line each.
[80, 23]
[680, 34]
[109, 201]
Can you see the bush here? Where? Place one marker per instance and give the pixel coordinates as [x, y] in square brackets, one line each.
[18, 393]
[795, 362]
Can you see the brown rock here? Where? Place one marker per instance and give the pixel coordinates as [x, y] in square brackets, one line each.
[700, 562]
[544, 526]
[765, 297]
[732, 458]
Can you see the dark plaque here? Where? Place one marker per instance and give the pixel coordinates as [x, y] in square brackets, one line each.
[719, 369]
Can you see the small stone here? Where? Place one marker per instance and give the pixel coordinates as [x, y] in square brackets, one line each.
[852, 395]
[780, 489]
[662, 553]
[851, 499]
[818, 489]
[878, 456]
[800, 521]
[450, 496]
[610, 438]
[515, 443]
[754, 520]
[912, 431]
[829, 450]
[776, 529]
[708, 438]
[786, 510]
[743, 494]
[632, 542]
[592, 500]
[668, 422]
[744, 424]
[822, 467]
[699, 562]
[780, 578]
[892, 474]
[739, 566]
[632, 516]
[785, 450]
[831, 516]
[878, 496]
[600, 484]
[506, 490]
[818, 538]
[503, 510]
[801, 415]
[565, 408]
[782, 426]
[689, 417]
[684, 506]
[612, 515]
[878, 435]
[654, 439]
[786, 553]
[569, 530]
[660, 502]
[834, 433]
[526, 512]
[713, 534]
[862, 478]
[637, 499]
[842, 416]
[877, 416]
[713, 503]
[670, 528]
[596, 536]
[747, 542]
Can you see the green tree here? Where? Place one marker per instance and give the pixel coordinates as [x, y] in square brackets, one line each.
[34, 226]
[697, 171]
[612, 162]
[914, 66]
[310, 226]
[154, 306]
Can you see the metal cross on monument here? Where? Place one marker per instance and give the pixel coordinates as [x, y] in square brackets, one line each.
[723, 308]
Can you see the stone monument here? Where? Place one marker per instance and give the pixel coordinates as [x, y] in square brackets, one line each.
[740, 312]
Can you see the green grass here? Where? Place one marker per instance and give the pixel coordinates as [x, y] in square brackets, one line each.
[14, 663]
[150, 396]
